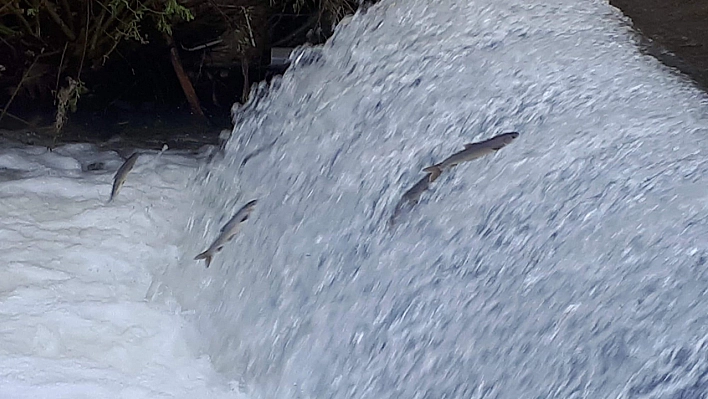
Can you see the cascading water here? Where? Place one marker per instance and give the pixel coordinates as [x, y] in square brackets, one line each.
[572, 263]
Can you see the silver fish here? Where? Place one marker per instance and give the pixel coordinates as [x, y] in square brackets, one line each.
[410, 198]
[471, 151]
[122, 174]
[227, 232]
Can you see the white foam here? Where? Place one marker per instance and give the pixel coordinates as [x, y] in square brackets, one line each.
[74, 319]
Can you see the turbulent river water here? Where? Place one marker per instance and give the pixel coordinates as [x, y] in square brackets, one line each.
[570, 264]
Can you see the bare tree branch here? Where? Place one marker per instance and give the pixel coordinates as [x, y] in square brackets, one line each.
[57, 19]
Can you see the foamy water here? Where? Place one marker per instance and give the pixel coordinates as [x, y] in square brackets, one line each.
[569, 264]
[74, 318]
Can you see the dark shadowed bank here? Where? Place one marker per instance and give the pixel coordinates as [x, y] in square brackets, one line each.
[677, 30]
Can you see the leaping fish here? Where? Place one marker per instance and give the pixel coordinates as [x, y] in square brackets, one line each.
[410, 198]
[122, 174]
[471, 151]
[227, 232]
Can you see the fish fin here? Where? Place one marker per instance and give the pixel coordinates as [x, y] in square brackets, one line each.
[468, 145]
[206, 256]
[434, 172]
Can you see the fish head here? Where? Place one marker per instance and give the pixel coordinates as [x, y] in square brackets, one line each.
[247, 209]
[503, 140]
[509, 137]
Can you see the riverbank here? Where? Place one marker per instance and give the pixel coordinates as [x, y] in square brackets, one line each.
[676, 33]
[678, 30]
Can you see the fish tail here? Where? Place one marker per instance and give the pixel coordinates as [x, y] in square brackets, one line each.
[434, 172]
[117, 185]
[206, 255]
